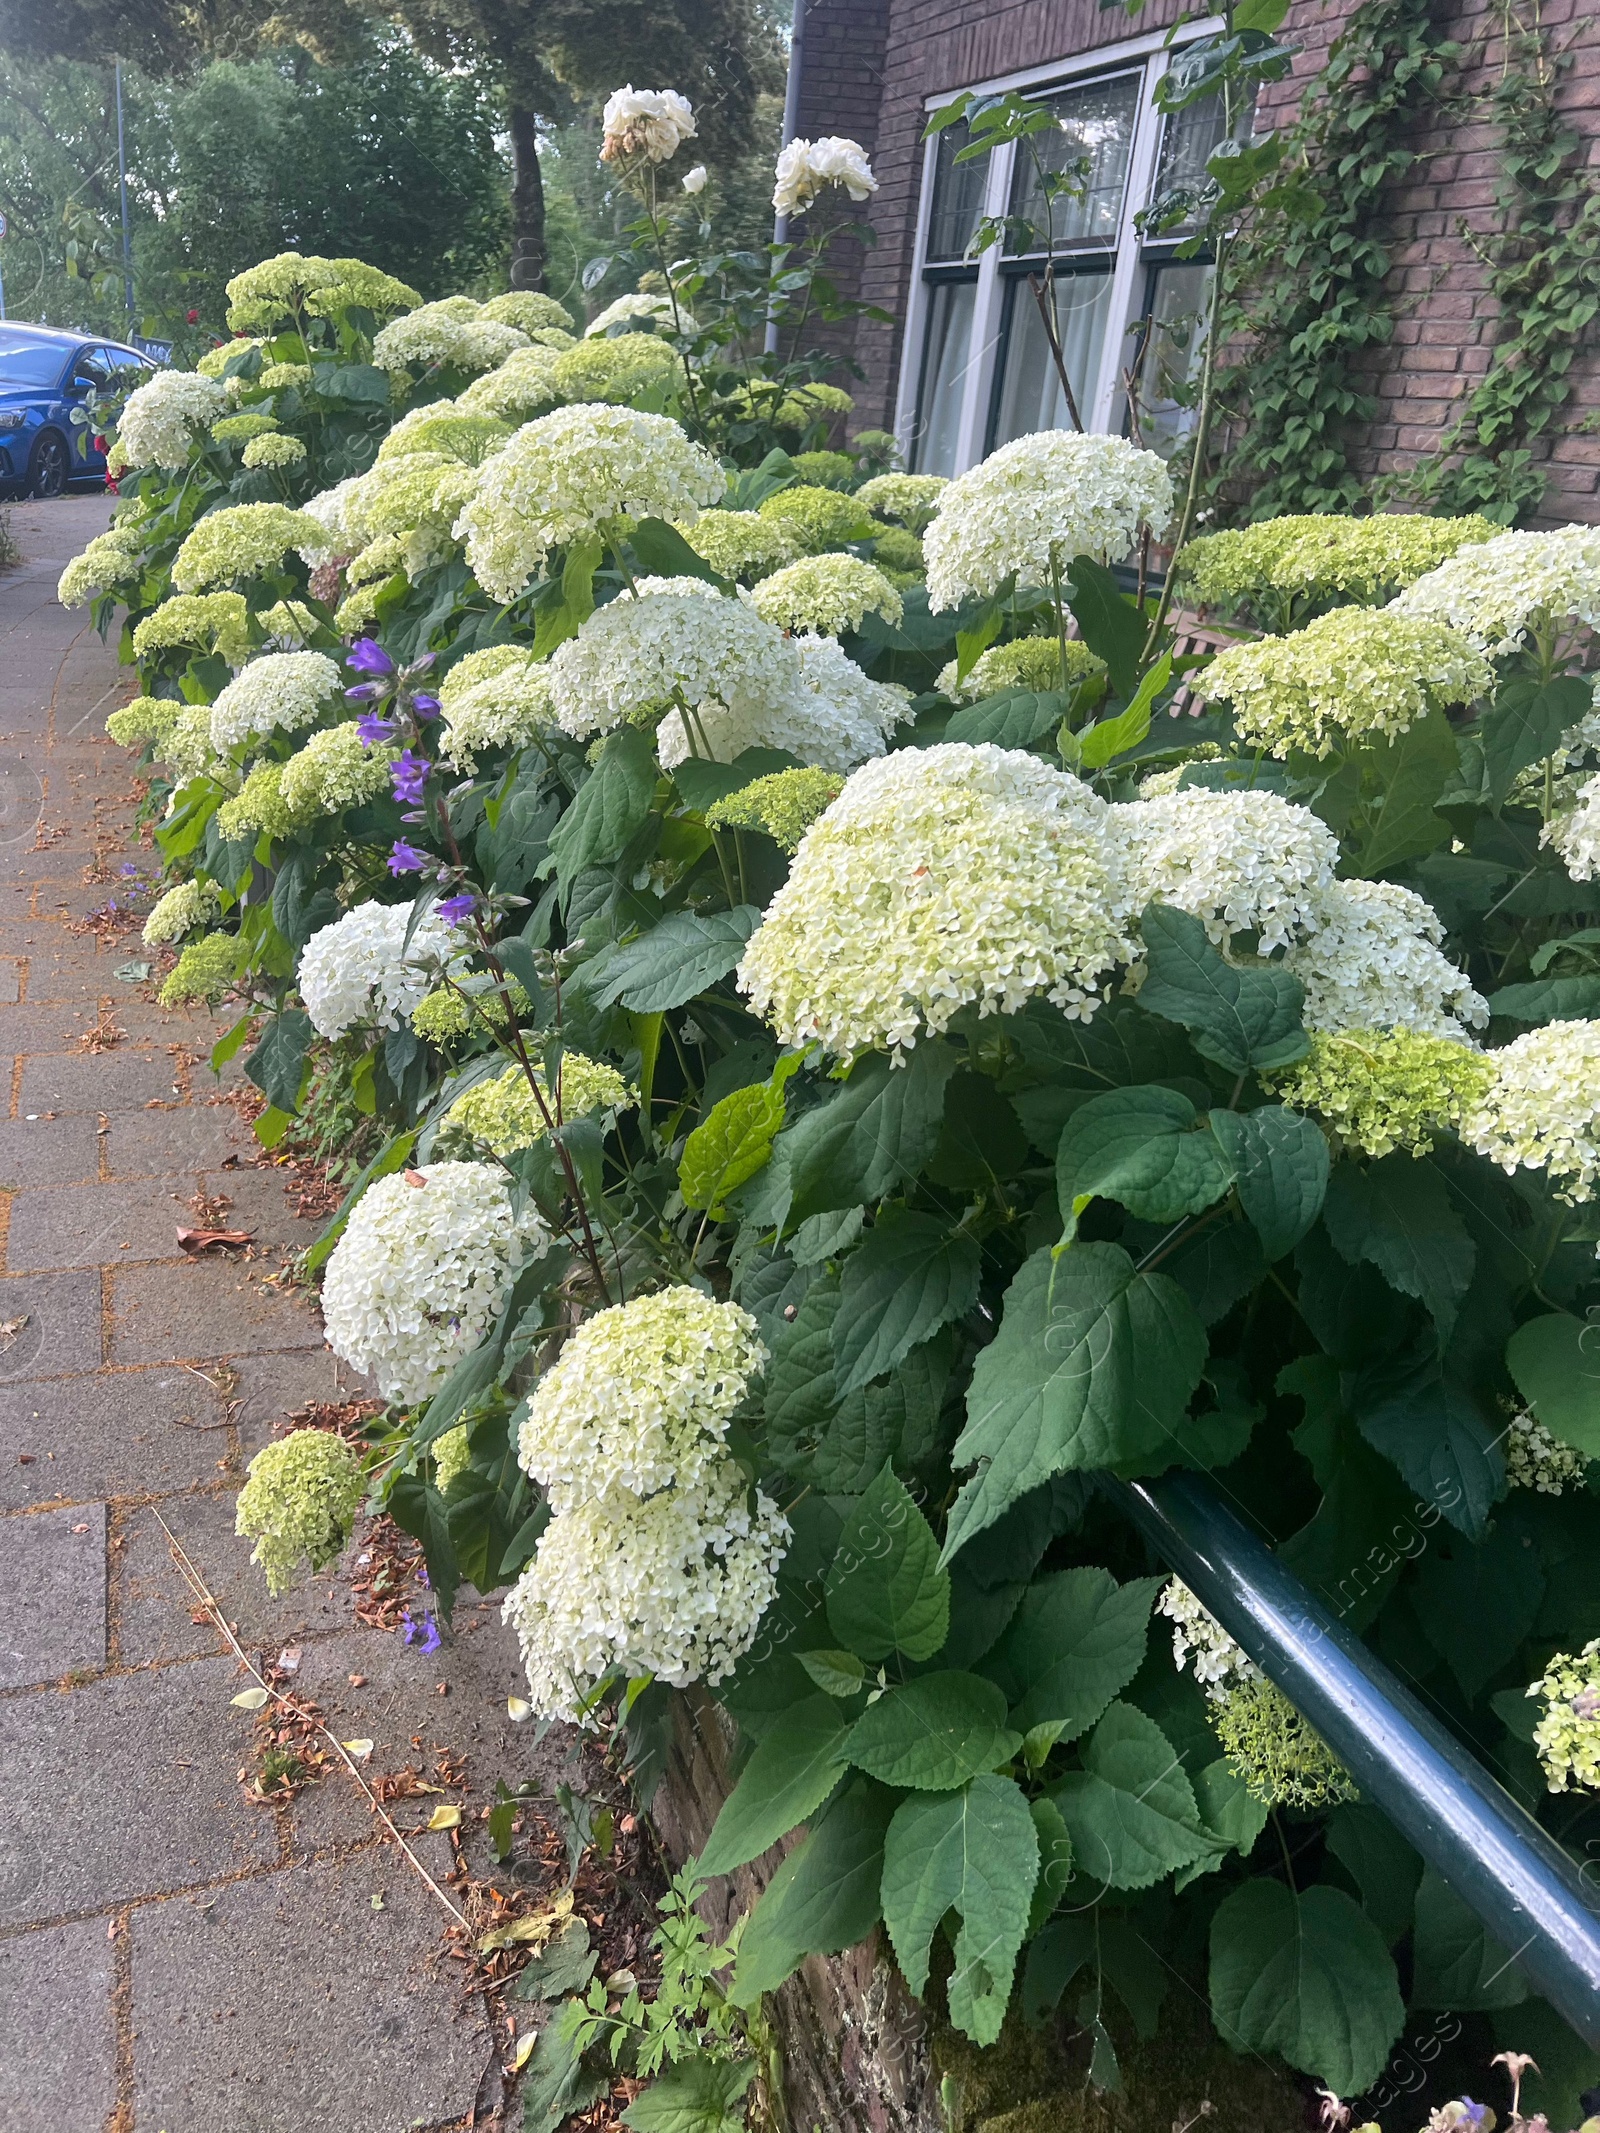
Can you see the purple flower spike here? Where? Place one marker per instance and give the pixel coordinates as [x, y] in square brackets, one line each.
[368, 656]
[372, 729]
[425, 706]
[406, 859]
[456, 910]
[423, 1632]
[364, 692]
[408, 777]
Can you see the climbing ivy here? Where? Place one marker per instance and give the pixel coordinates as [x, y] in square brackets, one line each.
[1308, 296]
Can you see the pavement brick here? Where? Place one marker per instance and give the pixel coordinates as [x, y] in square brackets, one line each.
[132, 1779]
[95, 1081]
[52, 1595]
[49, 1324]
[96, 1225]
[144, 1144]
[116, 1433]
[205, 1307]
[58, 2047]
[48, 1151]
[272, 1387]
[248, 2006]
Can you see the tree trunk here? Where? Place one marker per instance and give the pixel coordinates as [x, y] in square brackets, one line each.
[527, 199]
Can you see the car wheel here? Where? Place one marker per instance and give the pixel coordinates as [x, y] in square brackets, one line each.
[47, 469]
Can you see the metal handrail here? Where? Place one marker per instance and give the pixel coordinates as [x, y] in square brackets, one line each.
[1490, 1851]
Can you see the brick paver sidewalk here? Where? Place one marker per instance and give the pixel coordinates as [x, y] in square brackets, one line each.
[174, 1957]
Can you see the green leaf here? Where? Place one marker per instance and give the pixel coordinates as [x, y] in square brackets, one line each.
[701, 783]
[559, 619]
[799, 1395]
[1280, 1160]
[823, 1899]
[611, 806]
[417, 1508]
[731, 1143]
[887, 1590]
[1093, 1366]
[933, 1734]
[1055, 1956]
[1397, 1215]
[1110, 737]
[664, 553]
[792, 1771]
[1412, 771]
[1434, 1431]
[698, 2095]
[674, 961]
[1014, 718]
[1076, 1641]
[1555, 1362]
[973, 641]
[279, 1066]
[557, 2083]
[1478, 1603]
[1241, 1018]
[838, 1674]
[1227, 1807]
[1141, 1147]
[1380, 1862]
[566, 1965]
[908, 1277]
[1131, 1811]
[1525, 724]
[231, 1042]
[975, 1852]
[1111, 625]
[1307, 1977]
[1548, 1000]
[874, 1132]
[299, 907]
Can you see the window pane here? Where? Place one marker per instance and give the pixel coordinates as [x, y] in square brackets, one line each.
[957, 195]
[946, 357]
[1187, 140]
[1030, 388]
[1173, 354]
[1091, 143]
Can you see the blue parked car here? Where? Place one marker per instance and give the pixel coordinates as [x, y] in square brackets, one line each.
[44, 376]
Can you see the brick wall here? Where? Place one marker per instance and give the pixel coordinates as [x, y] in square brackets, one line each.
[878, 61]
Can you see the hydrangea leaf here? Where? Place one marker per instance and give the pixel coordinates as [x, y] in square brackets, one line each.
[1241, 1018]
[611, 805]
[1525, 724]
[1076, 1641]
[1112, 626]
[823, 1899]
[1397, 1215]
[1548, 1000]
[1439, 1437]
[1380, 1862]
[909, 1276]
[975, 1852]
[800, 1394]
[1015, 718]
[1055, 1861]
[674, 961]
[730, 1144]
[871, 1134]
[1411, 771]
[1306, 1976]
[887, 1590]
[1555, 1362]
[279, 1064]
[1055, 1956]
[1227, 1808]
[1141, 1147]
[1131, 1811]
[1280, 1161]
[934, 1733]
[792, 1771]
[1093, 1365]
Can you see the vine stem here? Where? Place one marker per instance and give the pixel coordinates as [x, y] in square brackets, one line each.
[1202, 438]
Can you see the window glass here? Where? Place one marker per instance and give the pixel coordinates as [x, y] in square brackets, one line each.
[1188, 139]
[1091, 144]
[29, 363]
[1174, 348]
[946, 357]
[957, 195]
[94, 363]
[1029, 396]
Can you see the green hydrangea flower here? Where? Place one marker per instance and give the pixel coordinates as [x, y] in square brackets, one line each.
[1567, 1738]
[146, 719]
[504, 1114]
[1318, 559]
[819, 518]
[825, 470]
[1025, 663]
[300, 1500]
[444, 1014]
[742, 545]
[1281, 1761]
[617, 370]
[783, 806]
[216, 622]
[239, 429]
[896, 549]
[258, 808]
[1380, 1090]
[205, 971]
[450, 1455]
[272, 450]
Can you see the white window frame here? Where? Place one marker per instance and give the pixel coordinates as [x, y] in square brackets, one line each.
[1106, 400]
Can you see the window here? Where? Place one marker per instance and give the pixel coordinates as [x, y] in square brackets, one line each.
[980, 367]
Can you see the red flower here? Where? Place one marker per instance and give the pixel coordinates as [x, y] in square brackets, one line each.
[192, 318]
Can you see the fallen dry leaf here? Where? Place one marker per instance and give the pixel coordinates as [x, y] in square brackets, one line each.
[201, 1240]
[533, 1927]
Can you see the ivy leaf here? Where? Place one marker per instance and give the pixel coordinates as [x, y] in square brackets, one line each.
[1015, 718]
[1397, 1214]
[1555, 1362]
[1456, 1965]
[1308, 1977]
[974, 1852]
[1280, 1162]
[908, 1277]
[1241, 1018]
[887, 1590]
[1131, 1811]
[611, 806]
[823, 1899]
[793, 1769]
[1076, 1641]
[1140, 1147]
[674, 961]
[1093, 1366]
[1525, 724]
[874, 1132]
[933, 1734]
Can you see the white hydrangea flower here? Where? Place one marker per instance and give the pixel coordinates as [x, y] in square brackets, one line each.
[278, 693]
[333, 771]
[497, 698]
[1200, 1637]
[414, 1283]
[674, 1587]
[649, 123]
[109, 559]
[826, 594]
[1240, 862]
[634, 656]
[1056, 494]
[834, 719]
[910, 500]
[447, 332]
[1575, 833]
[157, 427]
[336, 535]
[640, 1398]
[360, 969]
[1536, 1460]
[805, 167]
[575, 474]
[415, 498]
[1542, 1111]
[523, 385]
[742, 544]
[239, 541]
[1374, 961]
[641, 304]
[189, 904]
[940, 878]
[1498, 592]
[1567, 1737]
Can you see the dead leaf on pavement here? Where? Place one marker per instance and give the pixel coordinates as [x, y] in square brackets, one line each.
[533, 1928]
[202, 1240]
